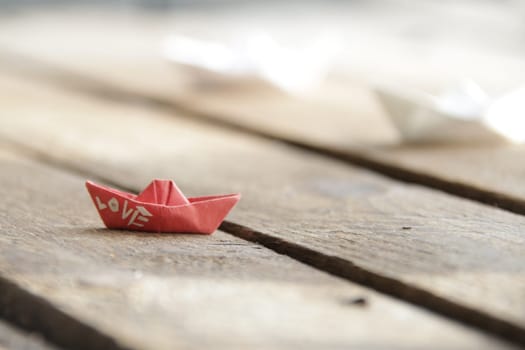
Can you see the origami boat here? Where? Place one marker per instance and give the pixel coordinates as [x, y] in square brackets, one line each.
[161, 207]
[254, 59]
[463, 114]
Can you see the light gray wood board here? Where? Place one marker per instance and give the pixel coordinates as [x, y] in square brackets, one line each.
[464, 252]
[165, 291]
[478, 39]
[341, 117]
[469, 171]
[12, 338]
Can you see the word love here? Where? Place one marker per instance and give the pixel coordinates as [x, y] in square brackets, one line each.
[135, 215]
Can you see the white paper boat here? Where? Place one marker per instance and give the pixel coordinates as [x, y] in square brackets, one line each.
[255, 57]
[464, 114]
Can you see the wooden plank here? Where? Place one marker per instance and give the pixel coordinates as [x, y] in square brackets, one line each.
[12, 338]
[115, 289]
[351, 117]
[453, 256]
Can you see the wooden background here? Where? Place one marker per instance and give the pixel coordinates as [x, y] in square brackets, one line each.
[344, 237]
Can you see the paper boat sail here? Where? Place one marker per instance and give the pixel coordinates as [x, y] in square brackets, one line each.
[461, 115]
[161, 207]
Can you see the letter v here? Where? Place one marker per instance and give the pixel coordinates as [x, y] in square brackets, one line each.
[125, 212]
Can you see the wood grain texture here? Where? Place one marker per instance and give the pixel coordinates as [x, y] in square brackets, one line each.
[12, 338]
[115, 289]
[451, 255]
[341, 119]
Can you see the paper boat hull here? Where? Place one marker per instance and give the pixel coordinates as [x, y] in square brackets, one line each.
[121, 210]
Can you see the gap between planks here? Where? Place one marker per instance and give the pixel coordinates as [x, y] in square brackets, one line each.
[67, 79]
[331, 264]
[13, 338]
[19, 307]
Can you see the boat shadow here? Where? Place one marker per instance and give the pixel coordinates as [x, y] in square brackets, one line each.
[102, 231]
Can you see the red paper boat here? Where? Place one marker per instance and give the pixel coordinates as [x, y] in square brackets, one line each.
[161, 207]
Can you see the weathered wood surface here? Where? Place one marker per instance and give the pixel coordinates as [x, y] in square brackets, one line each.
[12, 338]
[116, 289]
[337, 120]
[454, 256]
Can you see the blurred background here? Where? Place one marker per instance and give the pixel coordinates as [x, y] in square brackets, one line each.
[300, 50]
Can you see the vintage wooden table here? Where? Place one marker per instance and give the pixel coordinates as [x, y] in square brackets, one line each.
[341, 240]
